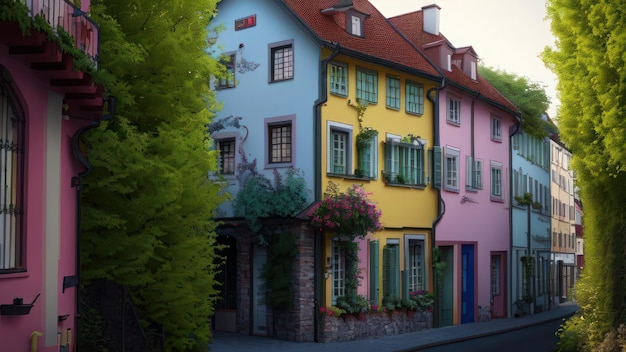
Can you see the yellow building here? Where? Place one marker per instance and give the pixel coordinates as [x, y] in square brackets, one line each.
[395, 168]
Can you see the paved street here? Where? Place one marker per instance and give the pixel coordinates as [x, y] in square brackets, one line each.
[417, 341]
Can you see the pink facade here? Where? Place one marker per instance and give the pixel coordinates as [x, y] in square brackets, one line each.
[474, 217]
[53, 102]
[474, 122]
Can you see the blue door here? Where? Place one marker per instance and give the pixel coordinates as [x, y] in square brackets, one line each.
[467, 284]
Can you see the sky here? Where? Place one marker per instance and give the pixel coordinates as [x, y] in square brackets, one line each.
[507, 34]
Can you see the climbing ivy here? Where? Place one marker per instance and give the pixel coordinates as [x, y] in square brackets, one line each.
[258, 198]
[278, 269]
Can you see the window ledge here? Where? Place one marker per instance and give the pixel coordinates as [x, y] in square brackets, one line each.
[404, 185]
[497, 200]
[13, 273]
[351, 177]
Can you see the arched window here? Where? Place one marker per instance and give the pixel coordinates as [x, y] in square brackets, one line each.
[11, 177]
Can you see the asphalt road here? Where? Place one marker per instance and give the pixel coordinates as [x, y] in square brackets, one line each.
[538, 338]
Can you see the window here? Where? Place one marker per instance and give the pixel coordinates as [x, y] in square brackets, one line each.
[282, 62]
[454, 111]
[338, 269]
[339, 79]
[368, 155]
[356, 26]
[393, 93]
[416, 265]
[227, 156]
[391, 269]
[473, 174]
[228, 79]
[414, 98]
[366, 86]
[354, 22]
[495, 275]
[451, 170]
[11, 174]
[339, 149]
[496, 181]
[404, 162]
[496, 134]
[280, 143]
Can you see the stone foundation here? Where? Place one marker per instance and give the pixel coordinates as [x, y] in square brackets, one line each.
[368, 325]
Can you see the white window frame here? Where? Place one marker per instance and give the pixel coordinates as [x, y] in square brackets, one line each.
[286, 69]
[496, 130]
[473, 176]
[370, 158]
[366, 86]
[453, 115]
[338, 288]
[416, 262]
[496, 181]
[414, 102]
[406, 160]
[393, 97]
[338, 79]
[336, 127]
[356, 25]
[451, 166]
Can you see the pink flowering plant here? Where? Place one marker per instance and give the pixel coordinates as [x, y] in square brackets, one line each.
[350, 214]
[423, 300]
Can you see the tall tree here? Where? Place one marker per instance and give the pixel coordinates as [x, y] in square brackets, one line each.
[148, 203]
[590, 63]
[529, 97]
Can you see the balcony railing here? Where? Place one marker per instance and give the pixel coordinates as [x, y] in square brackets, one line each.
[62, 13]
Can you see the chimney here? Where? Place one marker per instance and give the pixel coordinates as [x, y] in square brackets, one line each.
[431, 19]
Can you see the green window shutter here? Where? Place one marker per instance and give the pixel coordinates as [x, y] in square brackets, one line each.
[386, 271]
[436, 166]
[391, 271]
[374, 269]
[395, 271]
[388, 158]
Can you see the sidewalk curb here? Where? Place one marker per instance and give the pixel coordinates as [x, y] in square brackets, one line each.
[477, 336]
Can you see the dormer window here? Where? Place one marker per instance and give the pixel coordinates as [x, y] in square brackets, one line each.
[356, 26]
[354, 22]
[473, 70]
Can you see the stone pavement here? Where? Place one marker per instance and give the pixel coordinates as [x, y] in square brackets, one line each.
[416, 341]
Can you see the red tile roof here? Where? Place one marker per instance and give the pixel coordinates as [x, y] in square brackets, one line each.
[380, 39]
[412, 26]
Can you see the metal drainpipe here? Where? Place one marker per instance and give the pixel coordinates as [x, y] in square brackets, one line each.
[317, 137]
[77, 181]
[441, 205]
[514, 130]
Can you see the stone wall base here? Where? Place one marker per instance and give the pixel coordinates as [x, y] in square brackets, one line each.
[367, 325]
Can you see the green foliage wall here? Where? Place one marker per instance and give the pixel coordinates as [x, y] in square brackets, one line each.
[529, 97]
[589, 61]
[148, 204]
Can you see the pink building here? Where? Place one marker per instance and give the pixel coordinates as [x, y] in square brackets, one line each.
[45, 105]
[474, 122]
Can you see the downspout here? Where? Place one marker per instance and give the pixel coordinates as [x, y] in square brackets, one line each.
[317, 157]
[441, 205]
[512, 132]
[77, 182]
[472, 135]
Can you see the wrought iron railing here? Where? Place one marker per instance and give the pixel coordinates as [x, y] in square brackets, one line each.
[64, 14]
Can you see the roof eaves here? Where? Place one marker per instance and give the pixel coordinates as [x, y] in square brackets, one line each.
[382, 62]
[294, 16]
